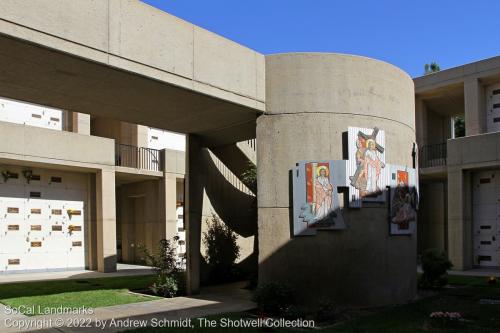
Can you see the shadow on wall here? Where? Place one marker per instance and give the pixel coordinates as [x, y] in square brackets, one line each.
[361, 265]
[433, 217]
[138, 219]
[236, 208]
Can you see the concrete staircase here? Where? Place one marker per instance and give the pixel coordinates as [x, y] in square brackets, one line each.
[237, 157]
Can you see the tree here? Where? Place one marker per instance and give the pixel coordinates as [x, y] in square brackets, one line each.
[249, 177]
[459, 126]
[433, 67]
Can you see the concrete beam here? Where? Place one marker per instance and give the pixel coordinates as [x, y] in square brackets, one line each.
[47, 77]
[485, 69]
[129, 61]
[136, 37]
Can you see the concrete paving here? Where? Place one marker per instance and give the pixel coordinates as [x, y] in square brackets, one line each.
[478, 272]
[213, 300]
[122, 270]
[483, 271]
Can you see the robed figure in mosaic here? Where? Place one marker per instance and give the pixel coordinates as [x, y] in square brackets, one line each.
[372, 168]
[404, 202]
[368, 164]
[323, 193]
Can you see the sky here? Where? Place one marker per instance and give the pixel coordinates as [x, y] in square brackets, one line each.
[406, 33]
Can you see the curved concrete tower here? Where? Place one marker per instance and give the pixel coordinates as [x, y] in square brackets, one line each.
[312, 99]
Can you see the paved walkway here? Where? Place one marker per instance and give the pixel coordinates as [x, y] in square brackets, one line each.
[122, 270]
[478, 272]
[213, 300]
[483, 271]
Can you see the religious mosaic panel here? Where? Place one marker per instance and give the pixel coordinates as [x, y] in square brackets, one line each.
[315, 196]
[366, 168]
[403, 200]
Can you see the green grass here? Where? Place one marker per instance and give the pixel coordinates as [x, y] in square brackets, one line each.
[91, 293]
[409, 318]
[413, 318]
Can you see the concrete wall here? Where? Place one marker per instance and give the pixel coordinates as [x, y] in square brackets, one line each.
[146, 209]
[227, 197]
[45, 148]
[122, 132]
[438, 128]
[211, 188]
[459, 90]
[140, 221]
[465, 155]
[311, 100]
[432, 215]
[44, 145]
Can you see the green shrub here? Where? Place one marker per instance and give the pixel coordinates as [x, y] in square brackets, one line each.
[164, 260]
[435, 265]
[181, 279]
[165, 286]
[164, 264]
[249, 177]
[275, 299]
[222, 250]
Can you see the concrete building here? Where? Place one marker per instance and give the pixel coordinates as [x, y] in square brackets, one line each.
[458, 175]
[127, 75]
[50, 211]
[119, 180]
[52, 207]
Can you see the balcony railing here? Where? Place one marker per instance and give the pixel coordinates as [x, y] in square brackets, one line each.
[138, 157]
[252, 144]
[432, 155]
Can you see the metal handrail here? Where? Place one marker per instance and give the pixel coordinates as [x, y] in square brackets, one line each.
[138, 157]
[432, 155]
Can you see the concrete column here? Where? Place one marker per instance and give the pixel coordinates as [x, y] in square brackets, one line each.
[193, 212]
[106, 221]
[475, 111]
[173, 168]
[421, 122]
[79, 123]
[142, 136]
[468, 232]
[92, 225]
[459, 219]
[168, 204]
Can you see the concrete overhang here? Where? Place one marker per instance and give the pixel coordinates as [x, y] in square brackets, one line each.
[433, 173]
[41, 147]
[487, 70]
[443, 91]
[126, 175]
[446, 101]
[126, 60]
